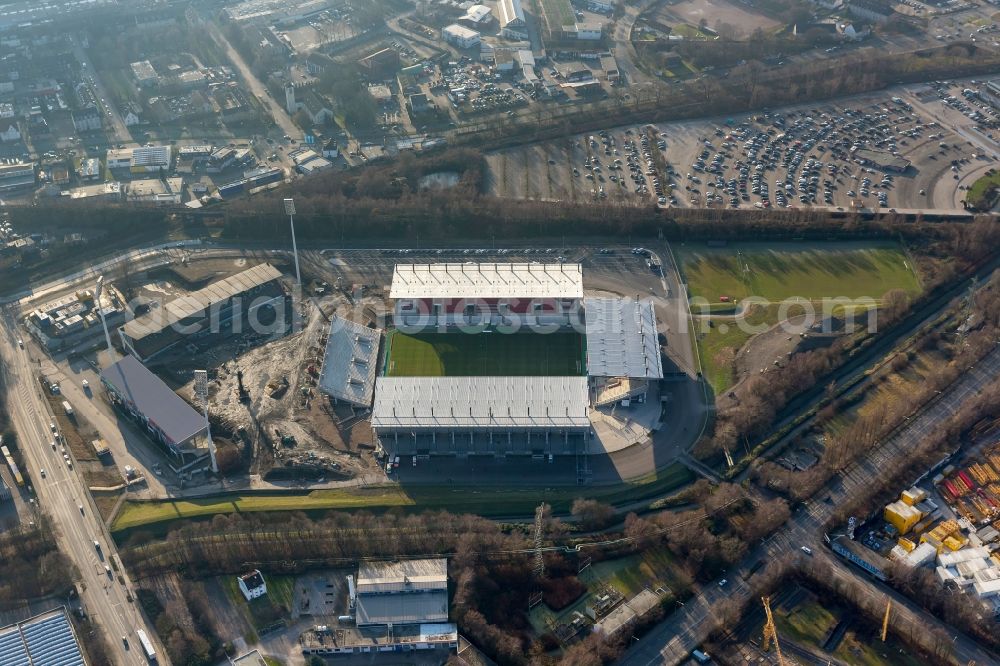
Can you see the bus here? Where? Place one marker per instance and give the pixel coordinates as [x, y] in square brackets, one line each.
[147, 646]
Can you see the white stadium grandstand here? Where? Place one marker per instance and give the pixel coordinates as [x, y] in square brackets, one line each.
[508, 359]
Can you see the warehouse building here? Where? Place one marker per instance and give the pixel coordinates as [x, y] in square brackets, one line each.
[401, 593]
[511, 17]
[481, 415]
[511, 295]
[223, 305]
[460, 36]
[47, 639]
[146, 399]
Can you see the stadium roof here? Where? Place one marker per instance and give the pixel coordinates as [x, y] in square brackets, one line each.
[404, 576]
[196, 302]
[403, 608]
[131, 380]
[480, 403]
[349, 362]
[621, 338]
[45, 639]
[483, 280]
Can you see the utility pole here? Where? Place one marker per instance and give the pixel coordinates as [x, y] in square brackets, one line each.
[290, 211]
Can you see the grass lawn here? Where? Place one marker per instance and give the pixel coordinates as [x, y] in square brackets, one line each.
[717, 346]
[869, 650]
[808, 623]
[263, 612]
[558, 12]
[630, 575]
[779, 271]
[491, 502]
[484, 354]
[979, 189]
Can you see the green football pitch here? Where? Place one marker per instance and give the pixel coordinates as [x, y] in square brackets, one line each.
[485, 354]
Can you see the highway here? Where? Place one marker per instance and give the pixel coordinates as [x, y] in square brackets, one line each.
[673, 640]
[60, 494]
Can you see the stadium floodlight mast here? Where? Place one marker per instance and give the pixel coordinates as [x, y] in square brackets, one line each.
[100, 313]
[290, 211]
[201, 395]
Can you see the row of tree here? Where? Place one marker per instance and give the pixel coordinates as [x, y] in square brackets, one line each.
[31, 565]
[960, 349]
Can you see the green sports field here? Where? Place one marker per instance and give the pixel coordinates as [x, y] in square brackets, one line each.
[778, 271]
[484, 354]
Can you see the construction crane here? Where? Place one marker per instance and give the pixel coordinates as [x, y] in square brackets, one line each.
[771, 631]
[885, 620]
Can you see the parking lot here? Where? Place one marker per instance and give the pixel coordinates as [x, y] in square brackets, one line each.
[852, 153]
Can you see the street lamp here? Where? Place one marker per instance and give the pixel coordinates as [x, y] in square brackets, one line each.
[290, 211]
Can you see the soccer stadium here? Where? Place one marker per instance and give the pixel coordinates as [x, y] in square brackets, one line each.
[506, 359]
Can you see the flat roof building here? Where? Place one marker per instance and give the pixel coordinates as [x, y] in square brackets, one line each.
[135, 389]
[882, 160]
[402, 593]
[460, 36]
[198, 312]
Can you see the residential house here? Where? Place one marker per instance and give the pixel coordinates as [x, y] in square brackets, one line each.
[252, 585]
[330, 149]
[87, 120]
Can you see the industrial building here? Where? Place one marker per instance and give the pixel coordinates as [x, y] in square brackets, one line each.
[225, 304]
[72, 318]
[401, 593]
[477, 16]
[47, 639]
[144, 397]
[15, 174]
[515, 295]
[511, 17]
[481, 415]
[460, 36]
[350, 362]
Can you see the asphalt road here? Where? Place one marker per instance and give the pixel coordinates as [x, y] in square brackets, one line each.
[673, 640]
[121, 133]
[60, 495]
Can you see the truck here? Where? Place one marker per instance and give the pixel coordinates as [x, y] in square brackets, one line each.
[68, 408]
[147, 646]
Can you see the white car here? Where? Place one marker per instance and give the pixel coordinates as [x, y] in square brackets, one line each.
[85, 384]
[807, 550]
